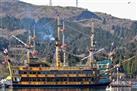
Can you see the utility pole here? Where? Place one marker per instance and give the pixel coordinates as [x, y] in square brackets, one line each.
[76, 3]
[50, 2]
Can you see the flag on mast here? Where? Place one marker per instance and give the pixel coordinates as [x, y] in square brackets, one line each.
[5, 51]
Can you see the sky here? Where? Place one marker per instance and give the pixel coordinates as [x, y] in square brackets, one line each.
[119, 8]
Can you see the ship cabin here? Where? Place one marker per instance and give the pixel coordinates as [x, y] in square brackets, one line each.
[34, 75]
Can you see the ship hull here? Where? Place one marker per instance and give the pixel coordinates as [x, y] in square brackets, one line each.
[63, 77]
[61, 86]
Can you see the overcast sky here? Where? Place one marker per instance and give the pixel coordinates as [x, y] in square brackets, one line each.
[119, 8]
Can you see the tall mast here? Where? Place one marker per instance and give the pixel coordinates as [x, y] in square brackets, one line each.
[58, 60]
[92, 45]
[63, 43]
[58, 30]
[34, 37]
[29, 46]
[7, 60]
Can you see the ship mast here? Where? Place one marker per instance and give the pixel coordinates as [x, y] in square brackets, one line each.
[34, 37]
[92, 46]
[29, 45]
[34, 52]
[7, 60]
[63, 43]
[58, 58]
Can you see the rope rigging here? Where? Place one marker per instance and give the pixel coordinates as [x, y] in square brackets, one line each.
[118, 65]
[72, 54]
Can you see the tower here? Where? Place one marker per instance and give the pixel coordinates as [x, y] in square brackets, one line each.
[76, 3]
[50, 2]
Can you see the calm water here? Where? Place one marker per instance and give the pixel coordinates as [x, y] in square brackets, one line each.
[69, 89]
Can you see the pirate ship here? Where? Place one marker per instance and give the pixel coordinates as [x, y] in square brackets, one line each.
[38, 74]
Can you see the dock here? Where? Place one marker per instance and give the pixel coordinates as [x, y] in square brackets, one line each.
[121, 84]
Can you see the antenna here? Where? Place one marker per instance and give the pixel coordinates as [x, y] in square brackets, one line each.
[76, 3]
[50, 2]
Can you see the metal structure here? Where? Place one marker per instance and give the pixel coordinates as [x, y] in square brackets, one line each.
[50, 2]
[76, 3]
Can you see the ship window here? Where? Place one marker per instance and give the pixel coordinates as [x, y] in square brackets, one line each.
[24, 79]
[42, 72]
[65, 72]
[52, 79]
[84, 79]
[16, 72]
[38, 79]
[30, 79]
[34, 72]
[34, 79]
[41, 79]
[64, 79]
[75, 79]
[57, 79]
[45, 79]
[92, 79]
[104, 66]
[38, 72]
[45, 72]
[49, 79]
[71, 79]
[22, 72]
[14, 79]
[25, 72]
[79, 79]
[72, 72]
[13, 71]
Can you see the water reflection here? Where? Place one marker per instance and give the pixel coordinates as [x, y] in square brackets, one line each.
[54, 89]
[69, 89]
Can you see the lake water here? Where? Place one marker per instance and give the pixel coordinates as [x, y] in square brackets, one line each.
[70, 89]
